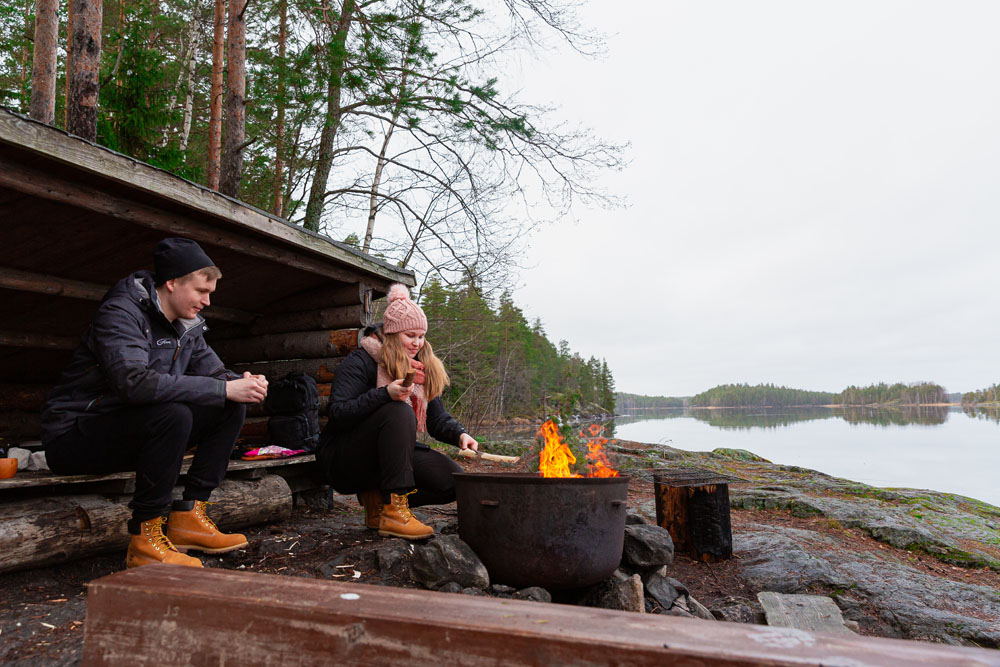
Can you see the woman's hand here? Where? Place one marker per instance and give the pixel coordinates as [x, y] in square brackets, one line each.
[397, 391]
[466, 441]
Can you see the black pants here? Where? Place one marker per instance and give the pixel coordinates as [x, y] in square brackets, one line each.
[382, 453]
[151, 440]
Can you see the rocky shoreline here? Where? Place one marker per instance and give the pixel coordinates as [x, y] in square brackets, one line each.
[899, 563]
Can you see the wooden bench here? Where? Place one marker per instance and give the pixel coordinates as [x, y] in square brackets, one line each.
[165, 614]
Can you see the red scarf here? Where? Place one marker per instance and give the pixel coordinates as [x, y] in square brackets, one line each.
[417, 399]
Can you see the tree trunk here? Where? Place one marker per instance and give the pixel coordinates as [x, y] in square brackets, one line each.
[71, 11]
[215, 104]
[236, 83]
[189, 98]
[25, 94]
[86, 59]
[324, 160]
[279, 127]
[186, 60]
[43, 76]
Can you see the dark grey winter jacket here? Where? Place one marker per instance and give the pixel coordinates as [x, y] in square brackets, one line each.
[131, 355]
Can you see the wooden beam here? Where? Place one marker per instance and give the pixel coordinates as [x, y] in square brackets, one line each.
[338, 317]
[296, 345]
[151, 184]
[161, 614]
[40, 283]
[321, 369]
[320, 297]
[37, 341]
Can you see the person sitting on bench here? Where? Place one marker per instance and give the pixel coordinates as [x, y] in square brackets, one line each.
[141, 387]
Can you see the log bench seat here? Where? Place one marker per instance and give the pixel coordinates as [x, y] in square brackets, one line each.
[167, 614]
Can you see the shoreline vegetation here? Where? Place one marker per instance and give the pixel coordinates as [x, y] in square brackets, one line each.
[882, 395]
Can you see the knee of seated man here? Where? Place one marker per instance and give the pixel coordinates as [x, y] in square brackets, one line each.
[172, 416]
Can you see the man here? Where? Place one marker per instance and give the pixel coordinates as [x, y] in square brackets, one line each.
[143, 386]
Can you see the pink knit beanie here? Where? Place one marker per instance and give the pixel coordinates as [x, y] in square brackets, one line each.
[402, 314]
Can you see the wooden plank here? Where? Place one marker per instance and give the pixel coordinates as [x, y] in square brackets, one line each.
[40, 283]
[814, 613]
[295, 345]
[321, 369]
[26, 479]
[164, 614]
[152, 184]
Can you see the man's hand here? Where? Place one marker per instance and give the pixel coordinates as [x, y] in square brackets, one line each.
[397, 391]
[248, 389]
[466, 441]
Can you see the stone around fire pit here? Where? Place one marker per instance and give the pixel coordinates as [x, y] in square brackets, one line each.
[446, 559]
[647, 547]
[621, 592]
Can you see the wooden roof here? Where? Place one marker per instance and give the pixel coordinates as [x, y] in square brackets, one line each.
[76, 217]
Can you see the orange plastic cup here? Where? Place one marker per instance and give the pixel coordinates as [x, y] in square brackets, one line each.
[7, 468]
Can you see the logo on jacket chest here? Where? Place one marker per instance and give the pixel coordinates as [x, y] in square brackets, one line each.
[166, 342]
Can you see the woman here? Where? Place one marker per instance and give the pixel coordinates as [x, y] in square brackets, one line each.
[369, 446]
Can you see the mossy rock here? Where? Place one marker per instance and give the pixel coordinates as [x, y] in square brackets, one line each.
[738, 454]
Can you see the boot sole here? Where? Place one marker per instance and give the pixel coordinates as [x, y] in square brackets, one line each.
[386, 533]
[184, 548]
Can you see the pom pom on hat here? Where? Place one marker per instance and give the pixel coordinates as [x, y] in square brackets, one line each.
[402, 314]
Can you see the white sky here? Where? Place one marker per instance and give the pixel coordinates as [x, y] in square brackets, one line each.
[814, 190]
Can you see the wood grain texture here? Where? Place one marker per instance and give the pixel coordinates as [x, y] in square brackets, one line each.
[164, 614]
[294, 345]
[815, 613]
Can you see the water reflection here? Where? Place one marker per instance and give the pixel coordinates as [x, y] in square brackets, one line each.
[989, 413]
[741, 419]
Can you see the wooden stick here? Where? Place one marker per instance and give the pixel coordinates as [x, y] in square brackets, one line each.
[486, 456]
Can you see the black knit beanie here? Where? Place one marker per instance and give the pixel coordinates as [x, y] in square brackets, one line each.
[178, 257]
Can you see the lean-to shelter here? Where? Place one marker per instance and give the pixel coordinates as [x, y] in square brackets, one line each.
[76, 217]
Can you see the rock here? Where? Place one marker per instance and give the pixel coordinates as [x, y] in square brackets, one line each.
[534, 593]
[501, 589]
[647, 547]
[699, 610]
[473, 591]
[738, 454]
[634, 519]
[447, 558]
[660, 589]
[681, 588]
[394, 557]
[733, 610]
[614, 593]
[451, 587]
[902, 536]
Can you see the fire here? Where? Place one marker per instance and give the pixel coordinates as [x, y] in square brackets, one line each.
[556, 458]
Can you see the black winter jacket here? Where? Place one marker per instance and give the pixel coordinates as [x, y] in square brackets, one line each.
[354, 396]
[131, 355]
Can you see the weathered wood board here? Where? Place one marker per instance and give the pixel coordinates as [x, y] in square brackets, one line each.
[815, 613]
[164, 614]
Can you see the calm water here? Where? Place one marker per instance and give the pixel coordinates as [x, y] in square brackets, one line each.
[944, 449]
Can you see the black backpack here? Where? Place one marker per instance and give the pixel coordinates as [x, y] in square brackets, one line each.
[293, 403]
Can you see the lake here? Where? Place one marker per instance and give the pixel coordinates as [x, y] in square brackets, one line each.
[940, 448]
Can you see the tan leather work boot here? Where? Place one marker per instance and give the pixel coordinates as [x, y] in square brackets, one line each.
[192, 529]
[398, 521]
[152, 546]
[372, 502]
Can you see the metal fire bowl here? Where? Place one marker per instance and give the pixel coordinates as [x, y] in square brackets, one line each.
[534, 531]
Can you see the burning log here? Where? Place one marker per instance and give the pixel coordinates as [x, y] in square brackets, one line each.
[693, 505]
[298, 345]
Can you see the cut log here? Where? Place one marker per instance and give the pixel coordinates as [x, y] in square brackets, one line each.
[27, 281]
[23, 397]
[321, 369]
[44, 531]
[695, 511]
[20, 426]
[321, 297]
[813, 613]
[163, 614]
[299, 345]
[338, 317]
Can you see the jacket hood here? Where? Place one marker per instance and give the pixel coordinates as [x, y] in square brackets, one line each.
[140, 287]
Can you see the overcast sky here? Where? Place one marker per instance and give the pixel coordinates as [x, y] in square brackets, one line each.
[814, 192]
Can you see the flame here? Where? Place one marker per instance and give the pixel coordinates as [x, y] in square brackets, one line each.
[556, 458]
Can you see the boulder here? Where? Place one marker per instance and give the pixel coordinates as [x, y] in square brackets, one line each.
[733, 610]
[616, 593]
[660, 589]
[447, 558]
[394, 557]
[647, 547]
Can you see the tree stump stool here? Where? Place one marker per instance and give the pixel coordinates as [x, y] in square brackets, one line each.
[693, 505]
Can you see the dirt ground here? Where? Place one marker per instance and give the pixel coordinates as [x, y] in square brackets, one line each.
[42, 611]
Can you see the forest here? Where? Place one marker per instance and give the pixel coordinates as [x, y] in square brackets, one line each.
[744, 396]
[917, 393]
[501, 365]
[626, 402]
[989, 395]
